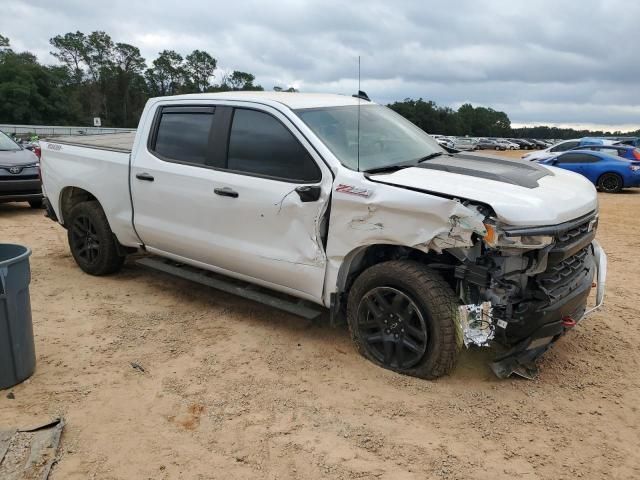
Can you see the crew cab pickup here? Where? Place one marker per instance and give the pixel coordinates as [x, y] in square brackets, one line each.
[336, 202]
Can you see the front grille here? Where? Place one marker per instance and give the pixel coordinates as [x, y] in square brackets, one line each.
[18, 177]
[562, 278]
[572, 235]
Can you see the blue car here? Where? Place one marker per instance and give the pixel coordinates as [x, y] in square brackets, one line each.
[608, 173]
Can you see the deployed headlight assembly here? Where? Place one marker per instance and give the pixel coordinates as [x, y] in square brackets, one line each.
[498, 238]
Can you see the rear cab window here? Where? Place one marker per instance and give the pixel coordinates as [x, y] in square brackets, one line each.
[182, 134]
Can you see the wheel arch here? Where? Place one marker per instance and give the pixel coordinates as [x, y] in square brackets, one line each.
[366, 256]
[69, 197]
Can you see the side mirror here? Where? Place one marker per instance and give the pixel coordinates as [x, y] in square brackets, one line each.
[309, 193]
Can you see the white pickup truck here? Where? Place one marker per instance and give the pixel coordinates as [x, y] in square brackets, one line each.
[310, 200]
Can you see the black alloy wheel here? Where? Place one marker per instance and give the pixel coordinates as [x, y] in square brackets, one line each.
[610, 183]
[85, 240]
[91, 241]
[403, 316]
[392, 328]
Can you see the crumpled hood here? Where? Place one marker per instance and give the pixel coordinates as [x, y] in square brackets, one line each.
[543, 198]
[17, 158]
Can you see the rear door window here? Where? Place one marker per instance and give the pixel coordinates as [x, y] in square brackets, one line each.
[261, 145]
[183, 134]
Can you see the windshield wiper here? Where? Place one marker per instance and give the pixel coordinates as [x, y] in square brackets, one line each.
[389, 168]
[430, 156]
[399, 166]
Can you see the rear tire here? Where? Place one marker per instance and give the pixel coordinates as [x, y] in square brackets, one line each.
[35, 203]
[610, 183]
[91, 240]
[404, 317]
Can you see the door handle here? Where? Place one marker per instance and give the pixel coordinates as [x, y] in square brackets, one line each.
[226, 192]
[144, 176]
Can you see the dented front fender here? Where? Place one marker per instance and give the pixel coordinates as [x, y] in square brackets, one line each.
[369, 213]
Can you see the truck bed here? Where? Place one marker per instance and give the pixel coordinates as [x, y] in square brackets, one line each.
[98, 164]
[117, 142]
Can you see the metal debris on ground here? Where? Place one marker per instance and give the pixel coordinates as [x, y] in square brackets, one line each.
[30, 453]
[137, 366]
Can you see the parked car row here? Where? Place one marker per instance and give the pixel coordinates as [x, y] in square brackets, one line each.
[611, 164]
[566, 145]
[485, 143]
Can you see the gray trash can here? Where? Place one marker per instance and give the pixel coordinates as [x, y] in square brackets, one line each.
[17, 349]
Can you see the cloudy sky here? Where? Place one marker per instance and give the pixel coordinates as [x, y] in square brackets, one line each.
[574, 62]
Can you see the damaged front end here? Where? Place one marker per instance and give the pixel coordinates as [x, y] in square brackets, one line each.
[526, 287]
[520, 287]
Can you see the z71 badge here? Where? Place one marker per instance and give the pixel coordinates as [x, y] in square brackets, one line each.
[351, 190]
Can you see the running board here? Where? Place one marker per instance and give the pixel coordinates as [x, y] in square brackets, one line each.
[239, 288]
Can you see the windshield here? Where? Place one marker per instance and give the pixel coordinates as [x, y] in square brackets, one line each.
[386, 138]
[7, 144]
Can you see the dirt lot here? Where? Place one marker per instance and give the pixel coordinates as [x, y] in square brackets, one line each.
[232, 389]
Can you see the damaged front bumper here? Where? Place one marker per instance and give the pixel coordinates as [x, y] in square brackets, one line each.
[538, 325]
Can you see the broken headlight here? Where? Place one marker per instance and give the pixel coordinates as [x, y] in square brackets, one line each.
[497, 238]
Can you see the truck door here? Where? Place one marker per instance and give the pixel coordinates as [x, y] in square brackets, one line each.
[234, 190]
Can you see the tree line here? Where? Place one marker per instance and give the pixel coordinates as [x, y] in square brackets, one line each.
[483, 122]
[97, 77]
[467, 120]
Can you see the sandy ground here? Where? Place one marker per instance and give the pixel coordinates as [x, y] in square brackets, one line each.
[235, 390]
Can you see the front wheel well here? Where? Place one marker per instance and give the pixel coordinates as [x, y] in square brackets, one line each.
[363, 258]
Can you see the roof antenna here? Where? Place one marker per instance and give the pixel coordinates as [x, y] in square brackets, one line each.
[360, 96]
[359, 101]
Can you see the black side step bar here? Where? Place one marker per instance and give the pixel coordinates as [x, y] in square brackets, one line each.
[256, 293]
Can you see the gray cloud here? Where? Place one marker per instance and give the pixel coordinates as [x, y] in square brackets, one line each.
[541, 62]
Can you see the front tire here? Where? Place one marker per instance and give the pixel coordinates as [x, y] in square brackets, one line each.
[610, 183]
[404, 317]
[91, 240]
